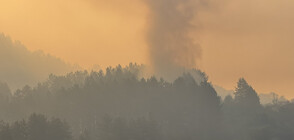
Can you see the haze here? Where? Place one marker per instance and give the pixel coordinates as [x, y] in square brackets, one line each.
[238, 38]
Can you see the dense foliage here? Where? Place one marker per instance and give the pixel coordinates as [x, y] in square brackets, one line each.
[119, 105]
[37, 127]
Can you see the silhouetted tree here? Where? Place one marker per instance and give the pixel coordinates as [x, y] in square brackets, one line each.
[245, 95]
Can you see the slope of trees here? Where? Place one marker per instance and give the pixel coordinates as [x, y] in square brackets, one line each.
[20, 66]
[139, 108]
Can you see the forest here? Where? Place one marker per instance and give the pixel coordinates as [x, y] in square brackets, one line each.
[119, 104]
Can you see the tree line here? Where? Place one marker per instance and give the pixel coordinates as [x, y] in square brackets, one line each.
[117, 104]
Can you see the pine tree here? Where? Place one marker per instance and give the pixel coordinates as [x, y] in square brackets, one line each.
[245, 95]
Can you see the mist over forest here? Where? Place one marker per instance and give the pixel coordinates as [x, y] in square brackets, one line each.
[43, 97]
[119, 104]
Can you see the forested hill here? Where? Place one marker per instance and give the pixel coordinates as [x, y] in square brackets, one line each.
[20, 66]
[116, 104]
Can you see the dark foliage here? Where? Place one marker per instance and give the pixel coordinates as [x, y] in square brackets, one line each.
[138, 108]
[37, 127]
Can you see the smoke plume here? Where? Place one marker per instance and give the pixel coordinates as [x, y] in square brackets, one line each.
[172, 50]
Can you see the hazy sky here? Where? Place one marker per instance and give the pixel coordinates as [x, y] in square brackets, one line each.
[249, 38]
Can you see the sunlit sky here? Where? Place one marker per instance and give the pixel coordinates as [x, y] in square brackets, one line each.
[239, 38]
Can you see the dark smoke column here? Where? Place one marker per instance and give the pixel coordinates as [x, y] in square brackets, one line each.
[171, 49]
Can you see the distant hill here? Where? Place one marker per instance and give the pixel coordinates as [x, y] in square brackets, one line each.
[19, 66]
[269, 98]
[222, 92]
[265, 98]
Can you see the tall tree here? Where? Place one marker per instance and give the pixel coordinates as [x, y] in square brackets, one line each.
[245, 95]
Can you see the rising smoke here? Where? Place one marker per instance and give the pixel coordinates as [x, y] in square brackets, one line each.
[172, 50]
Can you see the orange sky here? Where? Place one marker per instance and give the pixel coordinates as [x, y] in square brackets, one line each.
[249, 38]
